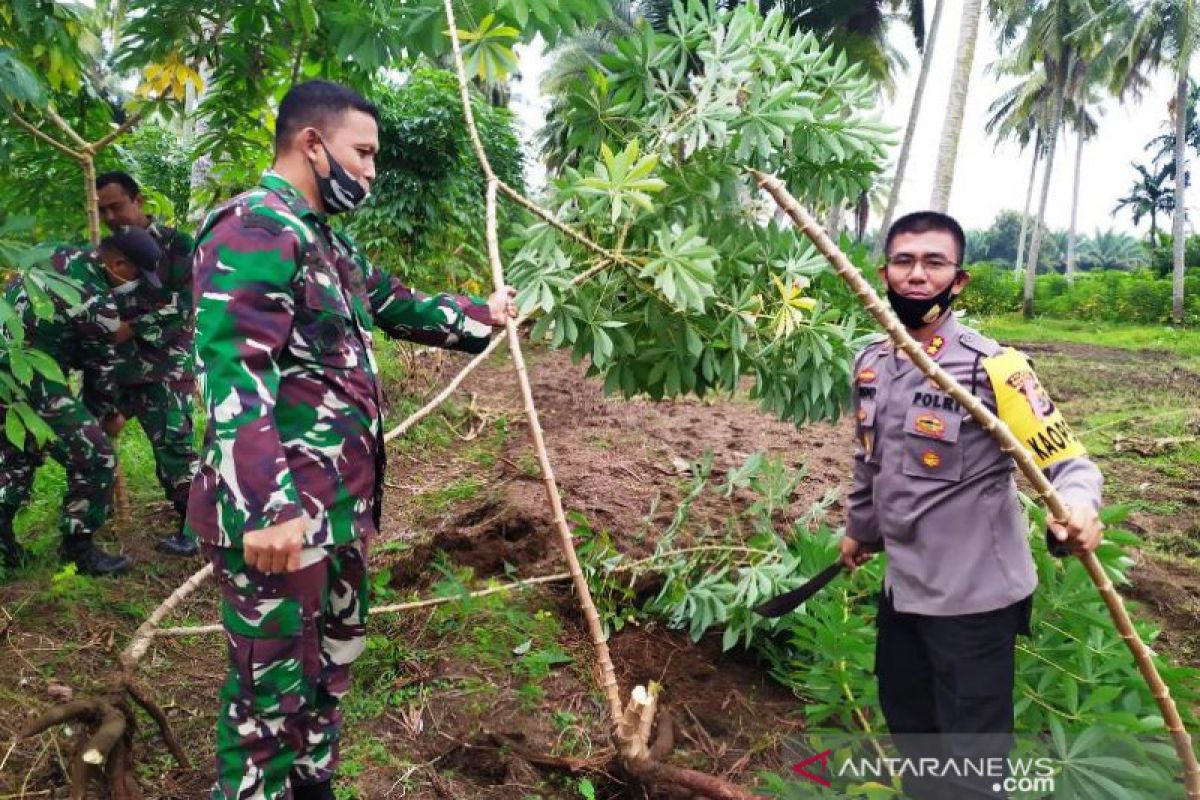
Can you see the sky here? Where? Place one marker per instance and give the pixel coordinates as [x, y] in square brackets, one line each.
[989, 177]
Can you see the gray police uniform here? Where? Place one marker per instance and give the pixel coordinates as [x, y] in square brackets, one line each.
[933, 486]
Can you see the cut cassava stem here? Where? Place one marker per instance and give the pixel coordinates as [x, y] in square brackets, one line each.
[650, 771]
[608, 679]
[1008, 444]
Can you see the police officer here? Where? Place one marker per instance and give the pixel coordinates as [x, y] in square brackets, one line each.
[80, 336]
[157, 382]
[934, 489]
[288, 490]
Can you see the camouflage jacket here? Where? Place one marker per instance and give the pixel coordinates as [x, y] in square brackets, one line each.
[285, 317]
[162, 319]
[77, 335]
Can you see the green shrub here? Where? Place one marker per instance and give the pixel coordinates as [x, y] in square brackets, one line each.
[1138, 296]
[993, 290]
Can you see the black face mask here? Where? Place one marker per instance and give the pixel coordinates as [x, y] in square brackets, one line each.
[339, 191]
[918, 312]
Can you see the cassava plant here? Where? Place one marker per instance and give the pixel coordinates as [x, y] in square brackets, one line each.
[1074, 678]
[707, 291]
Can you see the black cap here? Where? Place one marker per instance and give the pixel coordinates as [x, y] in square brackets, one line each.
[137, 245]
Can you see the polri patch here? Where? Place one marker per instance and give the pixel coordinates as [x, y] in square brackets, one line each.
[866, 375]
[930, 425]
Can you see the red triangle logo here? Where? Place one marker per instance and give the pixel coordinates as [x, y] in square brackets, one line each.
[800, 770]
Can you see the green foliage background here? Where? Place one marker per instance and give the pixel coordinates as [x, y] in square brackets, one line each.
[1138, 297]
[424, 220]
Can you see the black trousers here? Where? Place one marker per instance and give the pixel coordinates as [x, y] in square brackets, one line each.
[946, 688]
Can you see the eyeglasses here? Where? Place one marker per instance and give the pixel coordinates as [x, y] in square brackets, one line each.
[905, 263]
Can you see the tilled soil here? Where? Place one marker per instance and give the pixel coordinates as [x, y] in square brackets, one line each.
[451, 726]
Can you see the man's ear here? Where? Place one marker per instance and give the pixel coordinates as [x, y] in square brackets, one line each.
[961, 280]
[309, 142]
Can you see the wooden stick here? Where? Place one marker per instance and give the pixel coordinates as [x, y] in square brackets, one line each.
[608, 678]
[1009, 444]
[632, 566]
[193, 630]
[37, 133]
[108, 138]
[494, 345]
[66, 128]
[92, 199]
[145, 632]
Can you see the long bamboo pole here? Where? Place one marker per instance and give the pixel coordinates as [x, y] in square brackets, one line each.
[635, 755]
[608, 678]
[1008, 444]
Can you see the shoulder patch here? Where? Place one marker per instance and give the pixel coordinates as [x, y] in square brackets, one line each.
[872, 349]
[979, 343]
[1027, 409]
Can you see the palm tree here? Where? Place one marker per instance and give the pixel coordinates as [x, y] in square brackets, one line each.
[571, 63]
[1023, 112]
[1149, 196]
[1066, 36]
[1165, 142]
[943, 177]
[910, 128]
[1085, 127]
[1166, 33]
[1112, 250]
[1018, 113]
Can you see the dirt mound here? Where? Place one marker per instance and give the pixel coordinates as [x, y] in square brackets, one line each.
[490, 539]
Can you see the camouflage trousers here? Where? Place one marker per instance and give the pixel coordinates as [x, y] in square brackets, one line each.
[80, 446]
[291, 640]
[165, 412]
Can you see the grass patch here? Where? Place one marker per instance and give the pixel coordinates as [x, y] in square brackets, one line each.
[1014, 328]
[458, 491]
[1136, 415]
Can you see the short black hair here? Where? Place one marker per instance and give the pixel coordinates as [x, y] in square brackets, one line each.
[316, 104]
[138, 247]
[123, 179]
[923, 222]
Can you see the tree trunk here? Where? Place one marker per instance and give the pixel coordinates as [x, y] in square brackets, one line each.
[1074, 213]
[833, 221]
[909, 131]
[1035, 243]
[1179, 214]
[952, 127]
[1020, 262]
[92, 198]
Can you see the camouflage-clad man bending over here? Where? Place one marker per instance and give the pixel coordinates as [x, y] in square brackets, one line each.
[157, 382]
[81, 336]
[288, 489]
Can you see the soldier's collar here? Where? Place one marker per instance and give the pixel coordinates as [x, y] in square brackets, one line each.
[290, 195]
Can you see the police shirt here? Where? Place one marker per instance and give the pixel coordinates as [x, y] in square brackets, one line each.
[935, 487]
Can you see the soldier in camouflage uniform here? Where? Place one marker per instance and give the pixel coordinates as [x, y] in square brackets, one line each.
[288, 490]
[156, 385]
[81, 336]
